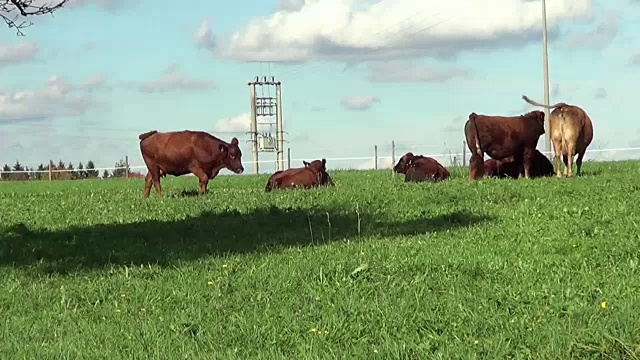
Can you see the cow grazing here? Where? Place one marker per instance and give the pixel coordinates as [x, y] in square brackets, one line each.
[417, 168]
[502, 137]
[182, 152]
[508, 168]
[571, 132]
[313, 174]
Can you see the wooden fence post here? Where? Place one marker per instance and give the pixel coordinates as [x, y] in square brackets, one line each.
[393, 157]
[289, 158]
[50, 170]
[375, 157]
[126, 167]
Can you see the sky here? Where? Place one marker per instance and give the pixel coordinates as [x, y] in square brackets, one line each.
[84, 83]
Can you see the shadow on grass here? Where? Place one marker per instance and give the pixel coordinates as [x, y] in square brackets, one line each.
[209, 234]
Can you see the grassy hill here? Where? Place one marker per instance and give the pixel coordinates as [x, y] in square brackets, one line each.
[544, 268]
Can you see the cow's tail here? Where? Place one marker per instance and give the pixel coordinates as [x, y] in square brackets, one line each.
[534, 103]
[476, 133]
[147, 134]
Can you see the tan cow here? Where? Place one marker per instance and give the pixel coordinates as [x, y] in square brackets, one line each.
[571, 132]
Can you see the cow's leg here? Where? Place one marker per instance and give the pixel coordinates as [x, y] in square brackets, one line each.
[571, 153]
[527, 161]
[579, 162]
[203, 180]
[147, 184]
[557, 151]
[518, 159]
[155, 176]
[476, 166]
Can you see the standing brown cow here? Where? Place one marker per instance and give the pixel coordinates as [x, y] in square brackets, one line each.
[313, 174]
[183, 152]
[420, 168]
[571, 133]
[502, 137]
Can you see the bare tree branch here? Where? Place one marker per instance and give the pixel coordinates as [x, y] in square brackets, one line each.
[14, 12]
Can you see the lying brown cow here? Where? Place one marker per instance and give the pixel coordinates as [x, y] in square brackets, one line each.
[313, 174]
[183, 152]
[502, 137]
[571, 133]
[508, 168]
[419, 168]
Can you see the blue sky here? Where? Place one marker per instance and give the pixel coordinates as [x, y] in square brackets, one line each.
[83, 84]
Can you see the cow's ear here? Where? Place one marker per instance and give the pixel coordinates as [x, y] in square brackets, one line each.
[324, 161]
[306, 164]
[223, 148]
[234, 141]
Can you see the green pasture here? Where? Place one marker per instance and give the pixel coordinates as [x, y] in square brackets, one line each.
[374, 268]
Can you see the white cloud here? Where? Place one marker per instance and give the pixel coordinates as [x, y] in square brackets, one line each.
[14, 54]
[601, 93]
[203, 36]
[598, 38]
[290, 5]
[239, 123]
[411, 71]
[392, 29]
[359, 102]
[95, 81]
[173, 80]
[55, 98]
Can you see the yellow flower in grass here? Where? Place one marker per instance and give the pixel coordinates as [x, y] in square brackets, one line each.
[603, 304]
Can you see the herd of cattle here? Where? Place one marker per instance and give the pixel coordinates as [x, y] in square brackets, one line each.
[510, 141]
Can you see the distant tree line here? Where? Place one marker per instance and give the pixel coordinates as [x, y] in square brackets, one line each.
[60, 171]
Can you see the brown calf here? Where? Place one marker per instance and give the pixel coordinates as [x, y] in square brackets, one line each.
[182, 152]
[420, 168]
[571, 133]
[502, 137]
[313, 174]
[508, 168]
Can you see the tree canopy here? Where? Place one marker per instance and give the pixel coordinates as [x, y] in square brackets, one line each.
[15, 12]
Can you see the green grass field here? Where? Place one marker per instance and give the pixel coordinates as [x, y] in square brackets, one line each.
[373, 268]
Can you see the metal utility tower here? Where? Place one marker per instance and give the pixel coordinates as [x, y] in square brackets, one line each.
[266, 106]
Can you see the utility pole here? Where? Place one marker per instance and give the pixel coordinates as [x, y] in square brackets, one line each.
[279, 131]
[545, 66]
[266, 106]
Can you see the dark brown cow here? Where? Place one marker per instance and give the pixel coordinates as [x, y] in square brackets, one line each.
[508, 168]
[182, 152]
[313, 174]
[419, 168]
[502, 137]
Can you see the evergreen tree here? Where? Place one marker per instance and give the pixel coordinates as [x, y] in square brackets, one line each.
[121, 169]
[91, 173]
[105, 174]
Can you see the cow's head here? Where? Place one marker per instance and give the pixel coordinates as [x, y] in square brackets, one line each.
[317, 165]
[404, 162]
[537, 118]
[232, 156]
[320, 168]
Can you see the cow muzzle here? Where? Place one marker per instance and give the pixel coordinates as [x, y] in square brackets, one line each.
[239, 170]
